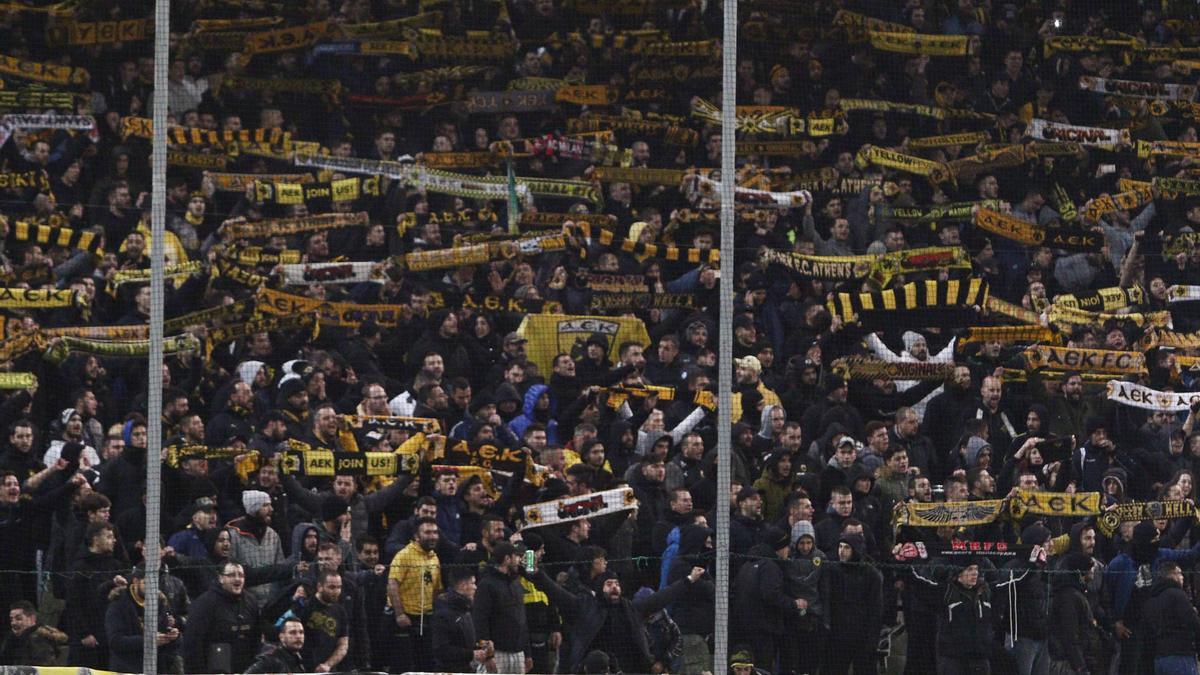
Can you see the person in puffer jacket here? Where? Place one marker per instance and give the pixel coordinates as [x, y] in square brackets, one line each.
[539, 406]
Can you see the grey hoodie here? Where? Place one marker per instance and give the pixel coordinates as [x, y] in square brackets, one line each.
[975, 445]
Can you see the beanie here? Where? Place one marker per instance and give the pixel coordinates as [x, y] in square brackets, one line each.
[332, 508]
[803, 528]
[253, 500]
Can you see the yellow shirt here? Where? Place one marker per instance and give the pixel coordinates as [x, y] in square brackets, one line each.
[420, 578]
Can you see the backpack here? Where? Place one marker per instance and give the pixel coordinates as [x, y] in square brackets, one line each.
[663, 637]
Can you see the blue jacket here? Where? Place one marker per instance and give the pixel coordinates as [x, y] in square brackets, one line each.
[1122, 575]
[522, 421]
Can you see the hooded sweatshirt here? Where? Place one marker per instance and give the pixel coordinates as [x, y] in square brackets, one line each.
[530, 414]
[854, 593]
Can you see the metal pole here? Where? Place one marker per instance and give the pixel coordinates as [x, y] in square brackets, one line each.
[725, 316]
[158, 216]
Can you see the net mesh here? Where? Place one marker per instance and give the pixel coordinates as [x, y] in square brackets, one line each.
[590, 277]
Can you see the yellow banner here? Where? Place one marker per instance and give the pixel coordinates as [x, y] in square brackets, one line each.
[43, 72]
[914, 43]
[553, 334]
[346, 314]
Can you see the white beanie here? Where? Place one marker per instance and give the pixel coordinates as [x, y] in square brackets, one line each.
[253, 500]
[248, 370]
[911, 338]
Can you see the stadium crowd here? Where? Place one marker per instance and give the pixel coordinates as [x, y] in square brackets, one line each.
[442, 318]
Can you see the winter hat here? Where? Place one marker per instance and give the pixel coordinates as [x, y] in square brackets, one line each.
[911, 338]
[332, 507]
[749, 363]
[856, 542]
[774, 537]
[253, 500]
[248, 370]
[1035, 535]
[975, 446]
[290, 386]
[803, 528]
[598, 582]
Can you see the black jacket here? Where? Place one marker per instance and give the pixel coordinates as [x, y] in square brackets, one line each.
[499, 611]
[123, 630]
[1030, 585]
[760, 605]
[87, 595]
[693, 612]
[965, 623]
[38, 646]
[586, 614]
[1171, 620]
[854, 597]
[218, 617]
[1071, 626]
[276, 659]
[453, 633]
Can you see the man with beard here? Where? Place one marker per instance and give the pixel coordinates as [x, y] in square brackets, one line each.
[749, 382]
[442, 337]
[72, 432]
[19, 457]
[254, 543]
[414, 580]
[746, 524]
[944, 414]
[222, 633]
[288, 657]
[1069, 410]
[499, 611]
[326, 626]
[235, 418]
[29, 643]
[123, 625]
[292, 402]
[345, 488]
[601, 619]
[990, 410]
[1072, 642]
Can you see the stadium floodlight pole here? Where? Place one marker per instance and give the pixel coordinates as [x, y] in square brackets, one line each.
[725, 316]
[158, 216]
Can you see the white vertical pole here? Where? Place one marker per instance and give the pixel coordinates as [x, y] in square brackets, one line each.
[724, 380]
[158, 195]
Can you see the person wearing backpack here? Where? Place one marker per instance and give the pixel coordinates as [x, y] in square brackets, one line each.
[761, 608]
